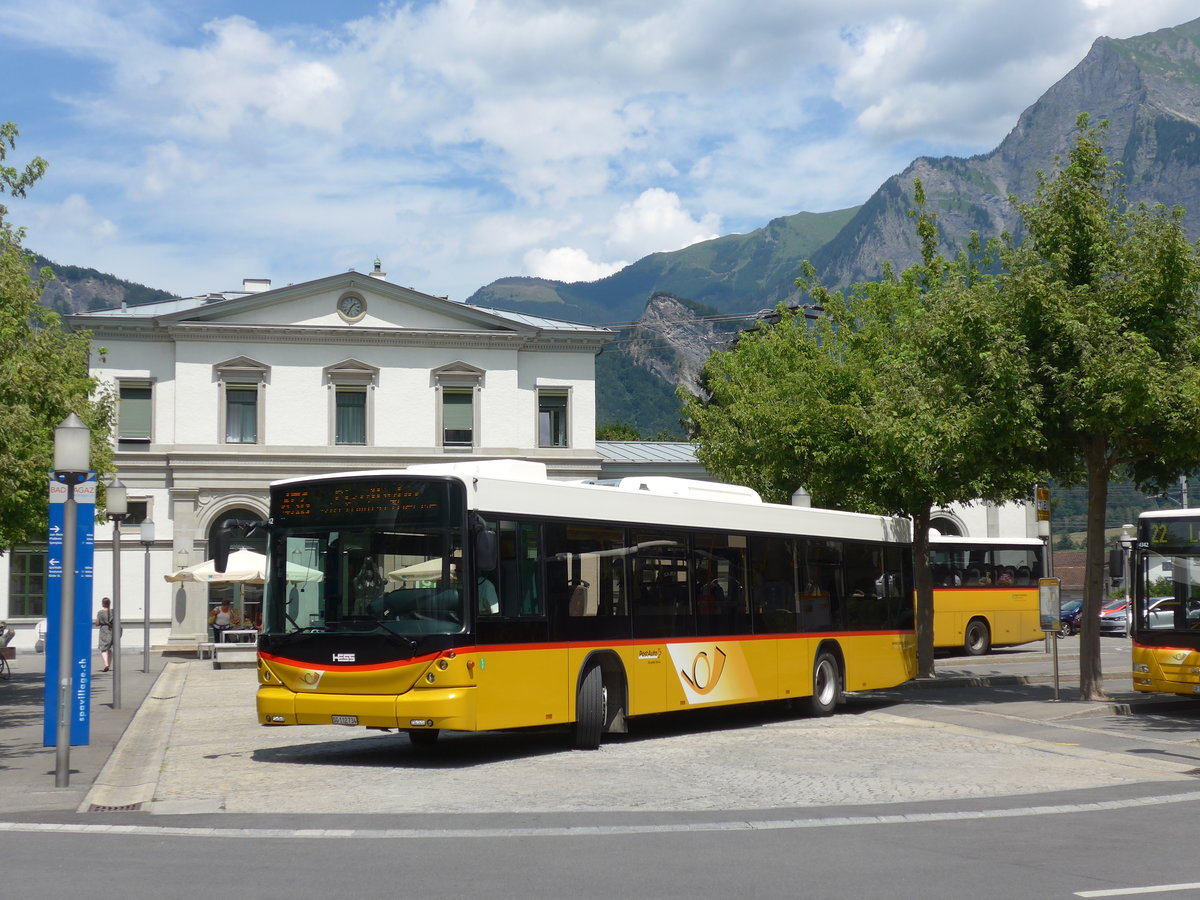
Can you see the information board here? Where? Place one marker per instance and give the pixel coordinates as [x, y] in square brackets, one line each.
[1048, 603]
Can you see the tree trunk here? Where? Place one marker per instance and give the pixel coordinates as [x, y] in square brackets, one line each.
[1091, 679]
[923, 580]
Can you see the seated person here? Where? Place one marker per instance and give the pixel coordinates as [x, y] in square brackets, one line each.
[489, 600]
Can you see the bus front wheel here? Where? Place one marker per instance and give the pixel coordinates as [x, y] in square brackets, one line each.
[978, 639]
[827, 685]
[590, 709]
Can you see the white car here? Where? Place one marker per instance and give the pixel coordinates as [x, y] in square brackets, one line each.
[1163, 613]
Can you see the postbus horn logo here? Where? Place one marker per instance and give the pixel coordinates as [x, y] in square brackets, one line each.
[705, 673]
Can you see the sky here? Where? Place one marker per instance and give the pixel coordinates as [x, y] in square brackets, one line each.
[194, 143]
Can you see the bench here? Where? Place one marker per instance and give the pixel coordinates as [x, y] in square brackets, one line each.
[231, 655]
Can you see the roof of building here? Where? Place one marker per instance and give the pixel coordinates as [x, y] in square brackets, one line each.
[179, 306]
[647, 451]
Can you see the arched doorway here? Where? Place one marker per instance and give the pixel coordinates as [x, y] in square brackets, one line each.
[246, 599]
[946, 526]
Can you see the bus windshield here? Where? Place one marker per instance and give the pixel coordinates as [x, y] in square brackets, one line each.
[366, 555]
[1169, 592]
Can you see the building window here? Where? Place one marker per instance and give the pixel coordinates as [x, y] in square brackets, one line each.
[134, 412]
[352, 389]
[27, 582]
[459, 384]
[139, 511]
[458, 417]
[241, 414]
[350, 415]
[552, 418]
[242, 382]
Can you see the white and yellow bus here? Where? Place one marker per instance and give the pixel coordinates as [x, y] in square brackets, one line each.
[985, 592]
[480, 596]
[1166, 602]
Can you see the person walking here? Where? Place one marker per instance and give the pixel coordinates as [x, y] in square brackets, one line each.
[104, 621]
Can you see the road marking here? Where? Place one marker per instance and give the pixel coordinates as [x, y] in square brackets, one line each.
[1152, 889]
[592, 830]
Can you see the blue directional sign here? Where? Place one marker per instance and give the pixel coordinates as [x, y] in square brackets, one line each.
[81, 626]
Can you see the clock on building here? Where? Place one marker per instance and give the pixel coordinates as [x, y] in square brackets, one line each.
[351, 307]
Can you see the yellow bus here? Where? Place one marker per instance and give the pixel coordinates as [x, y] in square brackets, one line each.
[480, 596]
[985, 592]
[1166, 602]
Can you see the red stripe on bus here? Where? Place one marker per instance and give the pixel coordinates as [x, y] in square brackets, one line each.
[577, 645]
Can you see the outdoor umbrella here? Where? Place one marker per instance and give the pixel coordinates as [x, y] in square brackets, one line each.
[243, 567]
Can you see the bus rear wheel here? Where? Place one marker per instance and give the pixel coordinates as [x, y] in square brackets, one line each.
[591, 707]
[978, 639]
[827, 685]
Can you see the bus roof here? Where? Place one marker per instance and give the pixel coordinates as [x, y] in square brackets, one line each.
[1191, 513]
[520, 487]
[960, 541]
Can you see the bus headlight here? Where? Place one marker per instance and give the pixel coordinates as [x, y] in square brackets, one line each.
[1142, 668]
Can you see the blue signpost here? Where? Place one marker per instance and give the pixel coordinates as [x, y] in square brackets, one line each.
[81, 626]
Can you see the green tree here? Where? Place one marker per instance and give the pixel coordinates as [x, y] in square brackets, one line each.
[1106, 297]
[618, 431]
[43, 375]
[907, 393]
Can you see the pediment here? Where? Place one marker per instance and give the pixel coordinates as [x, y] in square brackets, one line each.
[350, 371]
[324, 303]
[241, 367]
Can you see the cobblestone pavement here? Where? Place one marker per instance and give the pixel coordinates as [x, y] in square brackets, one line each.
[934, 745]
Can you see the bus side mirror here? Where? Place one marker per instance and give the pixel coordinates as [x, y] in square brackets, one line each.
[487, 551]
[1116, 563]
[220, 555]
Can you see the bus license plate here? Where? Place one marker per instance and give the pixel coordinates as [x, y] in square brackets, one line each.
[345, 720]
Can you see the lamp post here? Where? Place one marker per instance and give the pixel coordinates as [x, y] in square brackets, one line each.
[1128, 540]
[72, 456]
[116, 508]
[147, 541]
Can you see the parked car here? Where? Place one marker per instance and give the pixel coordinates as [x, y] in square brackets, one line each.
[1114, 616]
[1164, 612]
[1069, 616]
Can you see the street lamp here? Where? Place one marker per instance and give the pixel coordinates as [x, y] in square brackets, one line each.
[116, 508]
[1128, 539]
[147, 542]
[72, 459]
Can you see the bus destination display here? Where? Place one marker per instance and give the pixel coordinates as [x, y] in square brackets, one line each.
[1181, 532]
[361, 501]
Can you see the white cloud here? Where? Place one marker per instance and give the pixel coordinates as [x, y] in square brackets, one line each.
[465, 140]
[657, 221]
[75, 218]
[568, 264]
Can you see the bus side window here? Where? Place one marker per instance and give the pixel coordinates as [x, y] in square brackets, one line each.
[517, 573]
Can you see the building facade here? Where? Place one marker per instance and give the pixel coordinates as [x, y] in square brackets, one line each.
[219, 395]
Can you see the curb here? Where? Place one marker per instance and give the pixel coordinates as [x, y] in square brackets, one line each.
[130, 775]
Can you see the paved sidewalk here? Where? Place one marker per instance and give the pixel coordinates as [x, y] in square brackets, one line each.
[986, 727]
[27, 769]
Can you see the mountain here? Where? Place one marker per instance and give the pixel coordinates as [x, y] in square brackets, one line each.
[735, 273]
[1148, 90]
[1146, 87]
[75, 289]
[638, 372]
